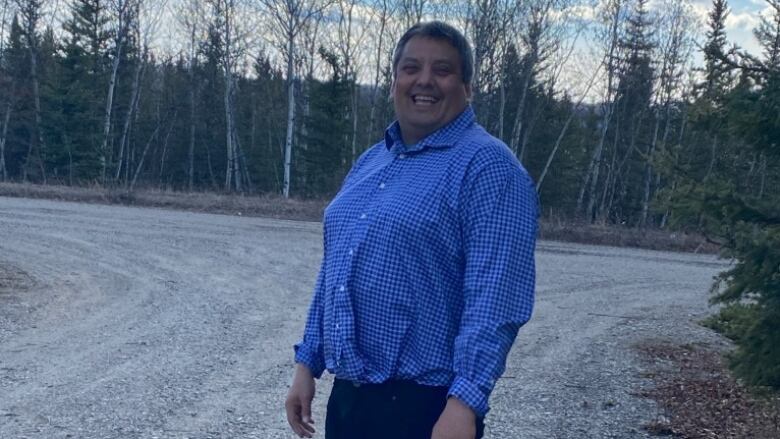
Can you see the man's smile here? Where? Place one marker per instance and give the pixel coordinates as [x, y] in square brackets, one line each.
[424, 100]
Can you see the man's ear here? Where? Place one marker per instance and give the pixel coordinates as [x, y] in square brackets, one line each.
[469, 94]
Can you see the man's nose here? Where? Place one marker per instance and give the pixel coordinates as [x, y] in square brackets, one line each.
[425, 77]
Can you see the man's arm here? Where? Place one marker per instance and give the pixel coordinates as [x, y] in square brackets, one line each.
[310, 363]
[298, 403]
[499, 219]
[309, 351]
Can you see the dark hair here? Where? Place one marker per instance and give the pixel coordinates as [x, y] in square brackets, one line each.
[439, 31]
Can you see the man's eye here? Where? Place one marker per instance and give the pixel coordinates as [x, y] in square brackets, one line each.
[410, 69]
[443, 70]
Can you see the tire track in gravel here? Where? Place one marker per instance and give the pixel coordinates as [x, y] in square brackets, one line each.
[141, 323]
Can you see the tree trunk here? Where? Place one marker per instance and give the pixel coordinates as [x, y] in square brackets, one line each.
[191, 149]
[212, 177]
[38, 139]
[354, 120]
[133, 108]
[377, 72]
[762, 176]
[3, 137]
[290, 113]
[713, 157]
[649, 175]
[517, 127]
[164, 152]
[564, 129]
[231, 159]
[592, 173]
[107, 112]
[601, 212]
[555, 149]
[501, 106]
[143, 156]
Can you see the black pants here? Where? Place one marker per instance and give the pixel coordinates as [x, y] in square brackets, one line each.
[391, 410]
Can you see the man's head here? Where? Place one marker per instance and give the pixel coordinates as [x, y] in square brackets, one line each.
[432, 70]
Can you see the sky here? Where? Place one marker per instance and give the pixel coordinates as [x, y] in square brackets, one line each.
[744, 17]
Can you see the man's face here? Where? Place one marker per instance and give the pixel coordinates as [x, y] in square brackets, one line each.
[428, 90]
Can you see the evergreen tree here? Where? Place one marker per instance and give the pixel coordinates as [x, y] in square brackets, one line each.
[619, 200]
[715, 70]
[211, 132]
[21, 125]
[324, 162]
[265, 131]
[732, 207]
[81, 87]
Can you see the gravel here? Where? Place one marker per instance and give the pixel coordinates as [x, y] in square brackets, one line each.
[120, 322]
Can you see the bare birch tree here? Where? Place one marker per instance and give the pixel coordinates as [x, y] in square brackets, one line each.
[289, 17]
[351, 36]
[613, 16]
[9, 88]
[488, 24]
[537, 40]
[190, 17]
[675, 49]
[226, 17]
[122, 11]
[565, 128]
[148, 15]
[380, 20]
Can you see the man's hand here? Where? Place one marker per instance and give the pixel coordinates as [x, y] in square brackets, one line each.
[457, 421]
[298, 403]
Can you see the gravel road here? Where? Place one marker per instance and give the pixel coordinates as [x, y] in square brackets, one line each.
[143, 323]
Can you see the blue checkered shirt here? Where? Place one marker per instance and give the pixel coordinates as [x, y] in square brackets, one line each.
[428, 266]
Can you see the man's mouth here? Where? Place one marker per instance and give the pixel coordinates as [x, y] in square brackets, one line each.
[424, 100]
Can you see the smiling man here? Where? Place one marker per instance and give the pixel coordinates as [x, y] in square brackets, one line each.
[428, 266]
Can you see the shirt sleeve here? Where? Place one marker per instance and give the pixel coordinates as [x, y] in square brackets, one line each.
[499, 211]
[310, 351]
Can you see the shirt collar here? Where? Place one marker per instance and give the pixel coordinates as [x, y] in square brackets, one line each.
[444, 137]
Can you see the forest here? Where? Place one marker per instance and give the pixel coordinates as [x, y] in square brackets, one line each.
[625, 112]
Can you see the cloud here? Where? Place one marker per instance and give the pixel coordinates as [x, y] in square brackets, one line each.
[701, 11]
[583, 12]
[742, 21]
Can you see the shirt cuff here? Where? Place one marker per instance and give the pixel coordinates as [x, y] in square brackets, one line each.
[471, 395]
[310, 358]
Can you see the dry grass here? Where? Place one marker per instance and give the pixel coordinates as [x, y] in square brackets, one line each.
[272, 206]
[701, 398]
[275, 206]
[618, 236]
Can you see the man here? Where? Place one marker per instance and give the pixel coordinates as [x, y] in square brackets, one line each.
[428, 266]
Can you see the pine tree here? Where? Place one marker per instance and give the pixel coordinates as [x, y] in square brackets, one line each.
[619, 199]
[733, 208]
[715, 70]
[84, 73]
[20, 124]
[324, 162]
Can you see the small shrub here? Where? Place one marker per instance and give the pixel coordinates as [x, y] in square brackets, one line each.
[733, 321]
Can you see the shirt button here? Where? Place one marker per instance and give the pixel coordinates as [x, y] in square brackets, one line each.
[381, 186]
[401, 156]
[342, 288]
[363, 216]
[351, 252]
